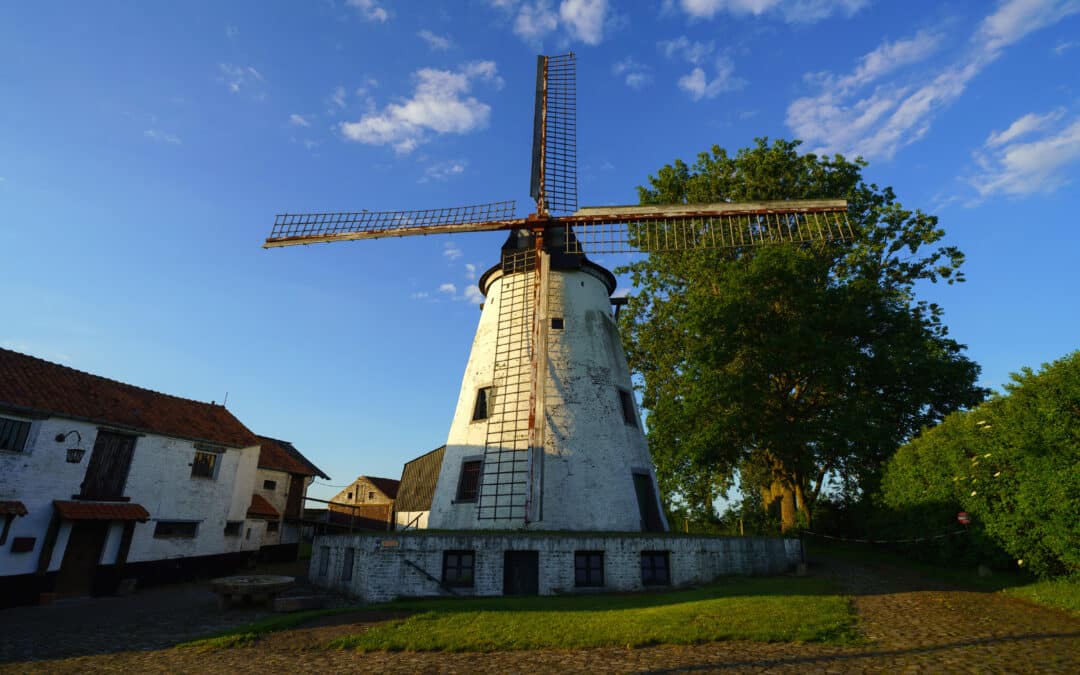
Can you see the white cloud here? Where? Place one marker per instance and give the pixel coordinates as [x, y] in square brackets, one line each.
[369, 9]
[634, 74]
[310, 144]
[444, 170]
[697, 83]
[448, 288]
[420, 295]
[793, 11]
[336, 98]
[436, 42]
[859, 114]
[473, 295]
[162, 136]
[581, 20]
[584, 19]
[1064, 46]
[699, 86]
[1012, 167]
[451, 251]
[470, 271]
[238, 77]
[683, 48]
[298, 120]
[1023, 126]
[535, 20]
[439, 105]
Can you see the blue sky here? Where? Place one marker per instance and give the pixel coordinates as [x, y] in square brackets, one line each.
[145, 148]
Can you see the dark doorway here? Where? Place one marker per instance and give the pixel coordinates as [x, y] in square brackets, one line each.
[107, 472]
[521, 573]
[81, 557]
[647, 504]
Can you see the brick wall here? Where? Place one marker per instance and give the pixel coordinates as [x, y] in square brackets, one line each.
[381, 568]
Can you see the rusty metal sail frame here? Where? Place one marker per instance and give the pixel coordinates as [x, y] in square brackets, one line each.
[516, 426]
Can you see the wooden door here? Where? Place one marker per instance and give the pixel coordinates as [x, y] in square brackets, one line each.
[296, 491]
[81, 557]
[107, 471]
[521, 573]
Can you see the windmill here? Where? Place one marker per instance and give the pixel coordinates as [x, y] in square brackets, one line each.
[546, 433]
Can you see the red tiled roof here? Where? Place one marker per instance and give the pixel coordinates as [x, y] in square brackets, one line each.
[389, 486]
[35, 385]
[101, 511]
[283, 456]
[260, 508]
[13, 508]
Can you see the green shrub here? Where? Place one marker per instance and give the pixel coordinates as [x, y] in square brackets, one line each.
[1013, 463]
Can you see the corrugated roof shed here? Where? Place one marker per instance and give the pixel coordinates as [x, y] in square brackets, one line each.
[35, 386]
[418, 480]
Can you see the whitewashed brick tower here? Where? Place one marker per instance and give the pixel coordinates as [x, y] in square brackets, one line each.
[587, 467]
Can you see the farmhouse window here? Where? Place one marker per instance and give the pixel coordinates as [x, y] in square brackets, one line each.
[655, 570]
[346, 569]
[588, 568]
[13, 434]
[205, 464]
[269, 484]
[484, 404]
[628, 413]
[371, 495]
[176, 529]
[469, 483]
[272, 526]
[457, 568]
[106, 474]
[350, 496]
[232, 528]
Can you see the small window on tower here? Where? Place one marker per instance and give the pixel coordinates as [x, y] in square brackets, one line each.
[469, 483]
[350, 496]
[269, 485]
[484, 404]
[557, 323]
[628, 412]
[371, 495]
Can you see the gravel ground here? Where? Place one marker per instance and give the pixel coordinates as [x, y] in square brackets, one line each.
[913, 625]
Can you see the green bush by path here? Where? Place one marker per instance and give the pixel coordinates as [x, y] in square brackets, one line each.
[784, 609]
[1013, 463]
[1061, 593]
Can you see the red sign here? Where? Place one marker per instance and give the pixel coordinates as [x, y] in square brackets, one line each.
[963, 518]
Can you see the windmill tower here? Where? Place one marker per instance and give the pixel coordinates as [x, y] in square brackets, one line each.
[546, 433]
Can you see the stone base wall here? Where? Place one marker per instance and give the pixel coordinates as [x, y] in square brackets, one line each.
[388, 566]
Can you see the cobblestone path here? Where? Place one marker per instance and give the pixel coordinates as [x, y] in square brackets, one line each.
[913, 625]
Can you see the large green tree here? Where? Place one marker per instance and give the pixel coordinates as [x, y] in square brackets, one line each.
[790, 362]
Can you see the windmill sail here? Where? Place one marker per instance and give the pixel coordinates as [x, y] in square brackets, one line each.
[554, 160]
[645, 229]
[291, 229]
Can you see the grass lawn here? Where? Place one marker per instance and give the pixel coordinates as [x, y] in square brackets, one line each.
[774, 609]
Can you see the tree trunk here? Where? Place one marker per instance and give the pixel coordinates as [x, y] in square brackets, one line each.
[800, 495]
[778, 495]
[787, 509]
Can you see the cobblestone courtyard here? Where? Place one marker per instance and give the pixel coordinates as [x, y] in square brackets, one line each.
[913, 625]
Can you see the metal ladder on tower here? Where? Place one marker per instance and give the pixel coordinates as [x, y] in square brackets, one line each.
[504, 484]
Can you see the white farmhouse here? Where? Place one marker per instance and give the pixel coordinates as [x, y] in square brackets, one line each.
[102, 481]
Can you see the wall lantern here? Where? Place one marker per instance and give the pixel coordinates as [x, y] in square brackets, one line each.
[74, 455]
